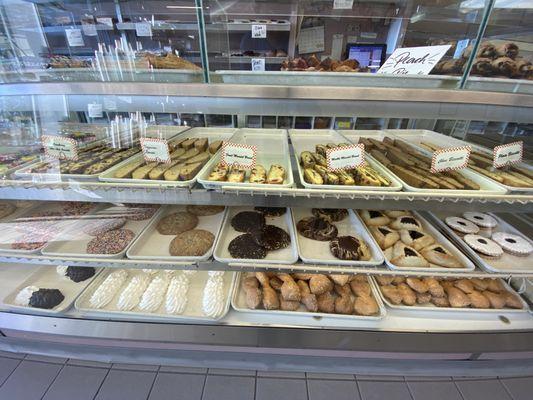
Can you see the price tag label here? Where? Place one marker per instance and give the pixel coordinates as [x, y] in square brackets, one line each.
[155, 150]
[143, 29]
[413, 60]
[89, 29]
[259, 31]
[258, 64]
[60, 148]
[345, 157]
[74, 37]
[105, 21]
[342, 4]
[449, 159]
[506, 154]
[95, 110]
[239, 155]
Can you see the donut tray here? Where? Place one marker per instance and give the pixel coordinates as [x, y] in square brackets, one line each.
[315, 251]
[238, 302]
[507, 263]
[151, 245]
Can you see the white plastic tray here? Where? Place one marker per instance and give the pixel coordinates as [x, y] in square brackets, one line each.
[306, 139]
[272, 148]
[48, 278]
[507, 263]
[167, 132]
[73, 242]
[193, 310]
[238, 302]
[288, 255]
[318, 252]
[211, 133]
[151, 245]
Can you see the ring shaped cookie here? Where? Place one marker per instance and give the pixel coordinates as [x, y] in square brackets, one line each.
[513, 244]
[461, 225]
[481, 219]
[483, 245]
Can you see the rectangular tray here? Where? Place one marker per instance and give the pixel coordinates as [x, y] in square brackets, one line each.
[305, 140]
[166, 132]
[210, 133]
[193, 310]
[315, 251]
[288, 255]
[151, 245]
[431, 307]
[272, 148]
[443, 240]
[73, 242]
[238, 302]
[48, 278]
[507, 263]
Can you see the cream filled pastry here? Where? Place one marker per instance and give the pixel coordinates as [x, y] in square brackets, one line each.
[108, 289]
[131, 295]
[213, 298]
[155, 293]
[176, 298]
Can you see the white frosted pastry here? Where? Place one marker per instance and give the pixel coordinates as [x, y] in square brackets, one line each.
[213, 299]
[215, 273]
[131, 295]
[23, 297]
[155, 293]
[62, 270]
[190, 272]
[108, 289]
[176, 299]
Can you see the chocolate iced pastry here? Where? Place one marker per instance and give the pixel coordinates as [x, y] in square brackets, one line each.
[244, 246]
[79, 274]
[248, 221]
[349, 248]
[46, 298]
[272, 238]
[316, 229]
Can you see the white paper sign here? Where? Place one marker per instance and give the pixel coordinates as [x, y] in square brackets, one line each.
[239, 155]
[345, 157]
[506, 154]
[311, 40]
[110, 104]
[258, 64]
[259, 31]
[60, 148]
[95, 110]
[450, 158]
[413, 60]
[342, 4]
[105, 21]
[89, 29]
[155, 150]
[74, 37]
[143, 29]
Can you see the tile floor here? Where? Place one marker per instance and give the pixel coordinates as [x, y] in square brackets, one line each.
[28, 377]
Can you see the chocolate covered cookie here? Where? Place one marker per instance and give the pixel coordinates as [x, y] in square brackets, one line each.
[177, 222]
[271, 211]
[46, 298]
[330, 214]
[111, 242]
[192, 243]
[349, 248]
[317, 229]
[203, 211]
[79, 274]
[272, 238]
[248, 221]
[244, 246]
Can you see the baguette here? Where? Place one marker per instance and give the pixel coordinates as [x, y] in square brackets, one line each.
[201, 144]
[412, 178]
[142, 172]
[215, 146]
[126, 170]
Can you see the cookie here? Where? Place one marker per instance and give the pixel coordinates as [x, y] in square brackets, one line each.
[330, 214]
[76, 208]
[438, 255]
[483, 245]
[396, 213]
[248, 221]
[28, 242]
[140, 212]
[374, 218]
[513, 244]
[406, 222]
[203, 211]
[481, 219]
[6, 209]
[405, 256]
[97, 227]
[111, 242]
[192, 243]
[317, 229]
[79, 274]
[244, 246]
[272, 238]
[271, 211]
[177, 222]
[385, 236]
[461, 225]
[416, 239]
[46, 298]
[349, 248]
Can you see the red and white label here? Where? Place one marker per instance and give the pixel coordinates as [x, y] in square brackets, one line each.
[60, 148]
[155, 150]
[345, 157]
[506, 154]
[451, 158]
[238, 155]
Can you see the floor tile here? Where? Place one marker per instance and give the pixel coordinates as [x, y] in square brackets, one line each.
[275, 389]
[172, 386]
[327, 390]
[336, 377]
[126, 385]
[136, 367]
[51, 360]
[232, 372]
[280, 374]
[520, 388]
[434, 391]
[391, 378]
[87, 363]
[7, 366]
[29, 381]
[9, 354]
[482, 390]
[182, 370]
[384, 390]
[80, 383]
[229, 388]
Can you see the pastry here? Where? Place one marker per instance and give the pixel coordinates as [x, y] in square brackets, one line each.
[276, 174]
[248, 221]
[308, 299]
[131, 295]
[436, 254]
[440, 301]
[497, 300]
[478, 300]
[513, 244]
[153, 296]
[339, 279]
[307, 160]
[316, 229]
[481, 219]
[320, 284]
[416, 239]
[177, 222]
[214, 146]
[258, 174]
[272, 238]
[407, 257]
[457, 298]
[345, 178]
[6, 209]
[349, 248]
[360, 287]
[79, 274]
[418, 285]
[461, 225]
[384, 280]
[343, 302]
[495, 285]
[290, 291]
[76, 208]
[108, 288]
[406, 222]
[313, 177]
[385, 236]
[328, 177]
[219, 173]
[253, 293]
[270, 297]
[176, 296]
[236, 175]
[193, 243]
[366, 305]
[271, 211]
[483, 245]
[23, 297]
[111, 242]
[407, 294]
[330, 214]
[513, 301]
[374, 218]
[396, 213]
[392, 294]
[423, 298]
[98, 227]
[326, 303]
[46, 298]
[244, 246]
[465, 285]
[480, 284]
[202, 211]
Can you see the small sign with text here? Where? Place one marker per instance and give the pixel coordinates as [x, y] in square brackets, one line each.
[239, 155]
[95, 110]
[506, 154]
[450, 159]
[258, 64]
[143, 29]
[60, 148]
[345, 157]
[413, 60]
[155, 150]
[342, 4]
[259, 31]
[74, 37]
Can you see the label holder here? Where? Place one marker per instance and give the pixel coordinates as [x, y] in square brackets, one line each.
[517, 150]
[450, 164]
[241, 156]
[62, 148]
[345, 157]
[155, 150]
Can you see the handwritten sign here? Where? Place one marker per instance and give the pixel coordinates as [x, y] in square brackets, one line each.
[258, 64]
[155, 150]
[60, 148]
[105, 21]
[342, 4]
[143, 29]
[239, 155]
[95, 110]
[413, 60]
[506, 154]
[450, 158]
[74, 37]
[259, 31]
[345, 157]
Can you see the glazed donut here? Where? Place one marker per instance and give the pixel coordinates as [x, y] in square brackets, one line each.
[513, 244]
[317, 229]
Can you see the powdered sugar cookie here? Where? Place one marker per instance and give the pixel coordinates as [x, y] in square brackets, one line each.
[481, 219]
[483, 245]
[461, 225]
[513, 244]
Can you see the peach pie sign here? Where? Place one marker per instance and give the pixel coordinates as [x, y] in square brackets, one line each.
[413, 60]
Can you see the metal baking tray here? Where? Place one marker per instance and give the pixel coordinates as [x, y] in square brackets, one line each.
[507, 263]
[305, 140]
[317, 252]
[238, 302]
